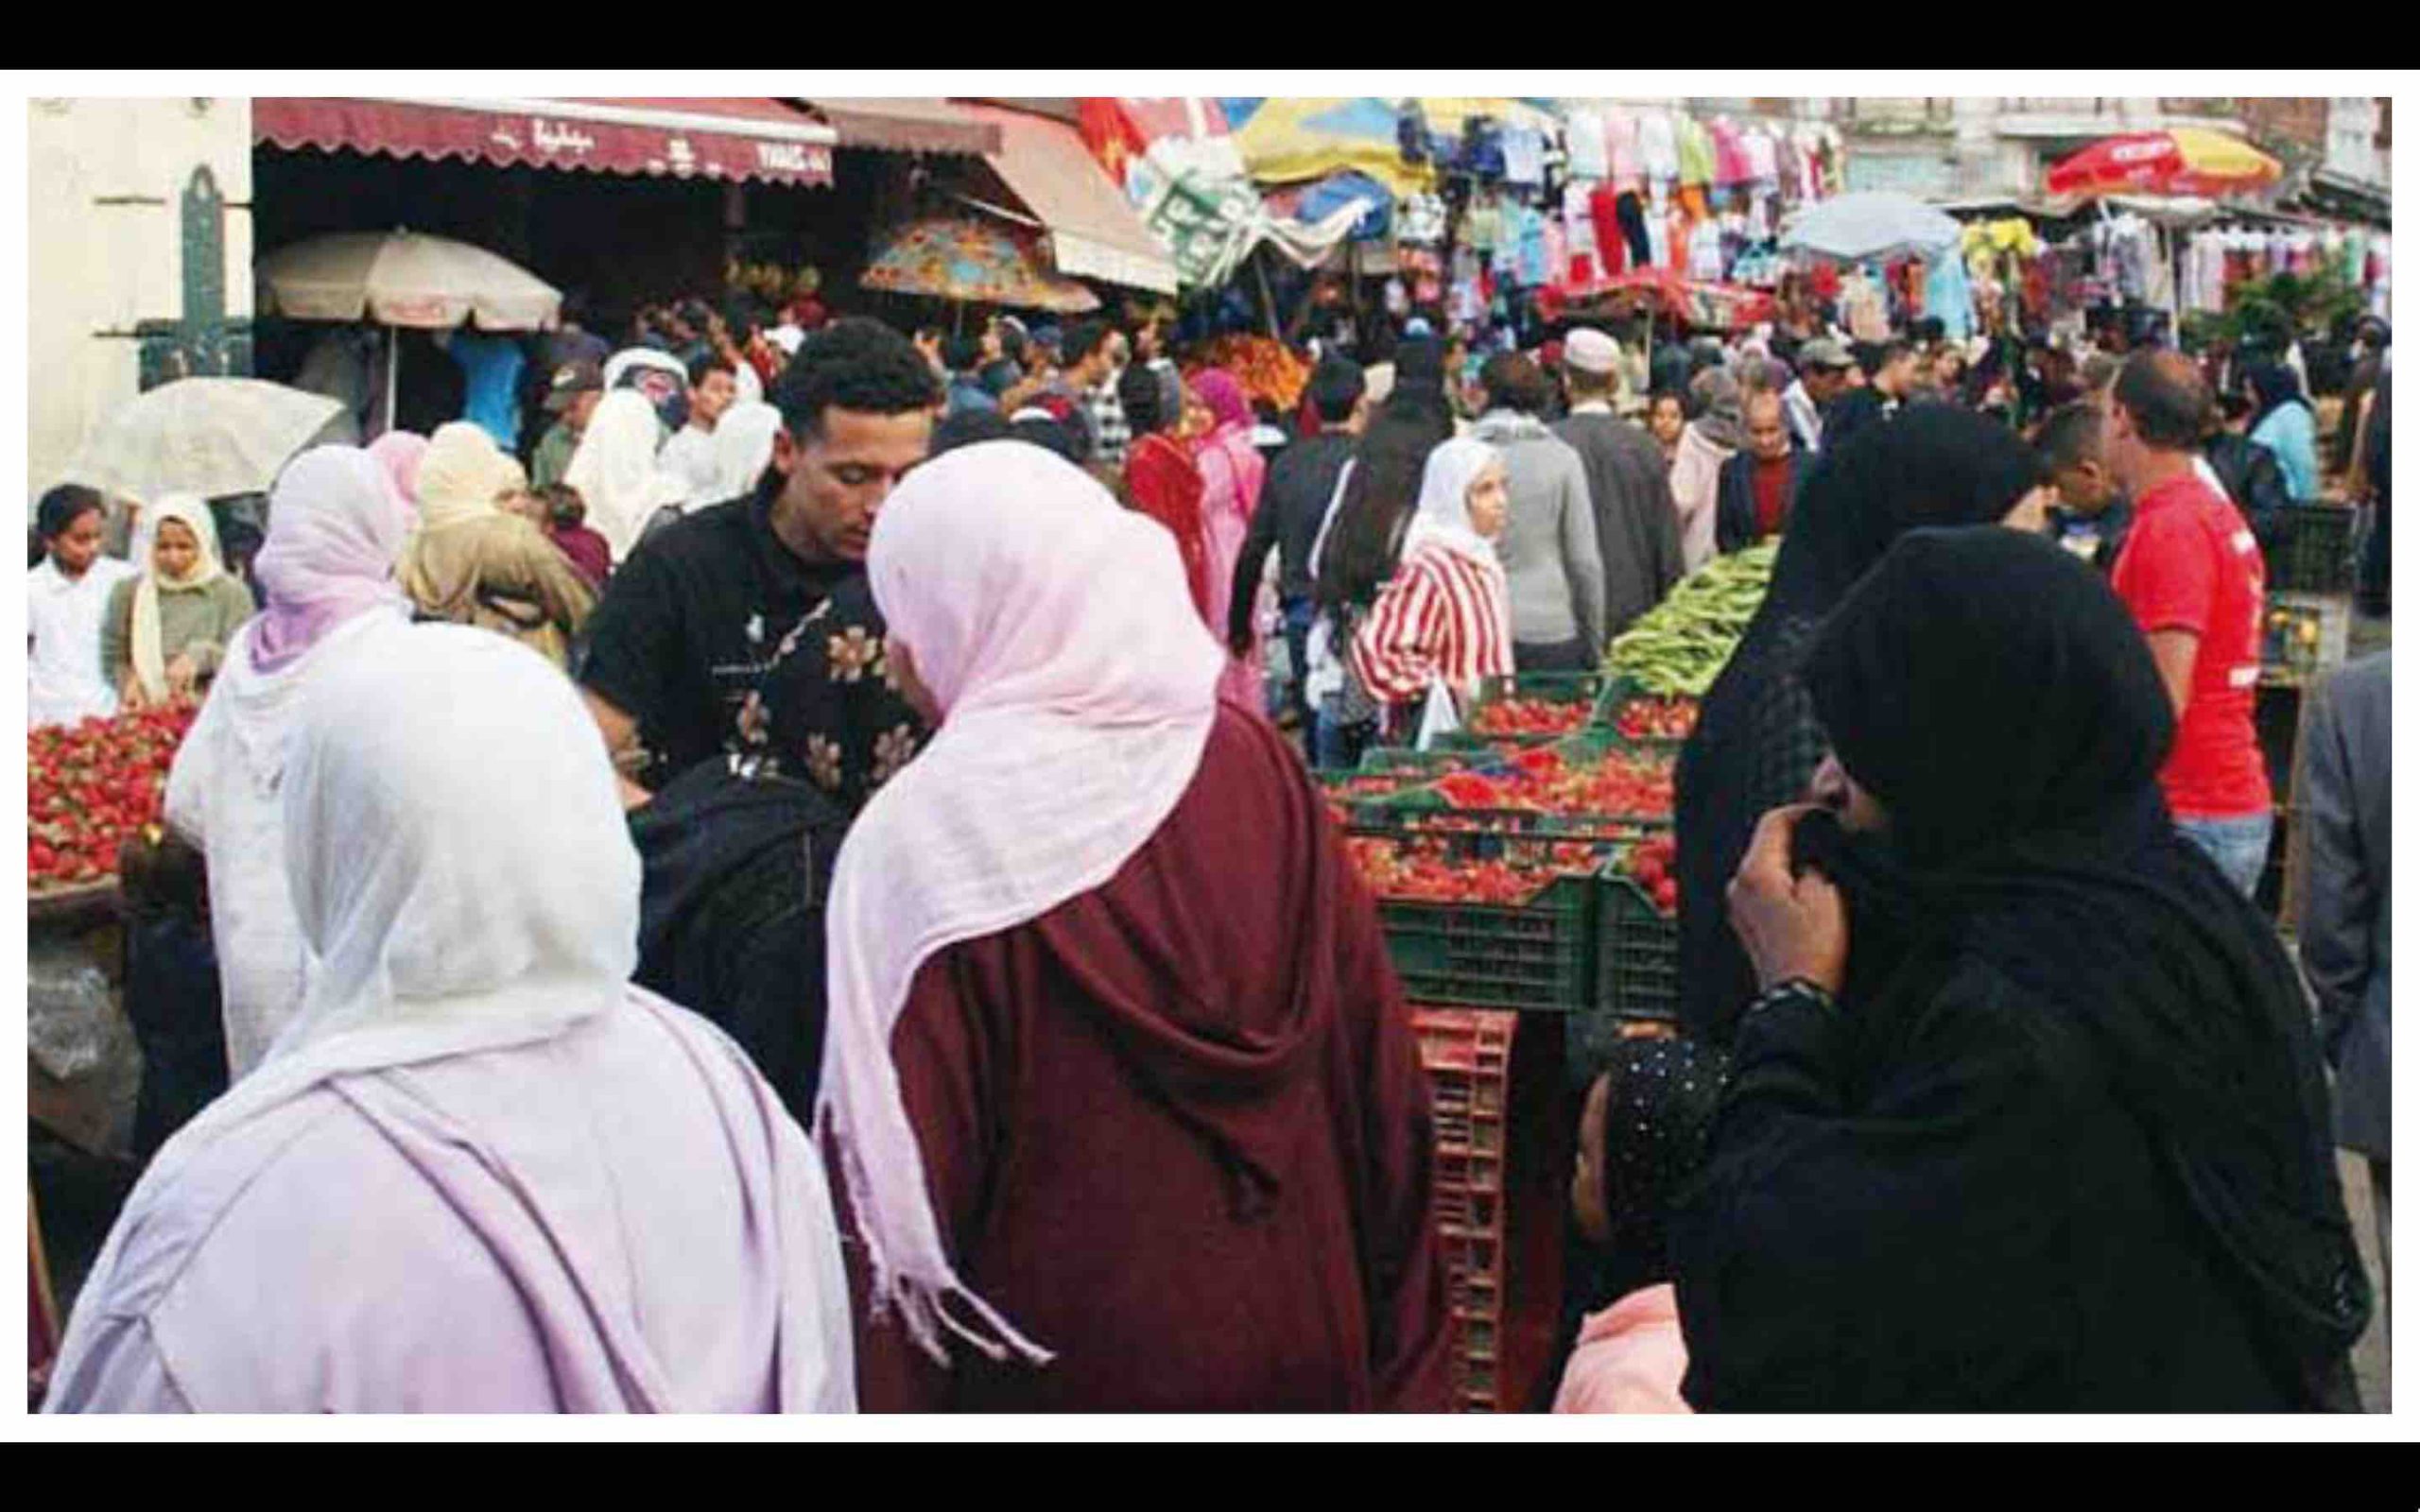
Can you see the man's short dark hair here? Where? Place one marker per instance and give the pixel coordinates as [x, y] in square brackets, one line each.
[708, 362]
[1337, 384]
[967, 428]
[2069, 438]
[1084, 338]
[962, 355]
[564, 505]
[1138, 395]
[2162, 393]
[858, 365]
[1051, 436]
[63, 505]
[1513, 382]
[1888, 352]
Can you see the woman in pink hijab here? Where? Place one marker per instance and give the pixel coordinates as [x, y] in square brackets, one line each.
[399, 453]
[1230, 471]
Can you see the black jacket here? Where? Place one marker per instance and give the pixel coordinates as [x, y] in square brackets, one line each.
[1293, 500]
[2252, 479]
[1734, 498]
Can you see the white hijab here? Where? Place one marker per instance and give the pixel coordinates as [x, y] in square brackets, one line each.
[615, 470]
[151, 663]
[1444, 514]
[743, 447]
[1077, 687]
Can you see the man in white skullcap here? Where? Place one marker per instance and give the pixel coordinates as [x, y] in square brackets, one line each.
[1637, 528]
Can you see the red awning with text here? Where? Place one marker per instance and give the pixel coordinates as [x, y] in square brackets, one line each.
[715, 139]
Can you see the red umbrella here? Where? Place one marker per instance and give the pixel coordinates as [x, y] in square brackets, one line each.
[2189, 159]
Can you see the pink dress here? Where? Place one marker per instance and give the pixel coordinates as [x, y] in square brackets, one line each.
[1231, 471]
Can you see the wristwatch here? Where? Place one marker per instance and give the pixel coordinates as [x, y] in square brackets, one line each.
[1795, 988]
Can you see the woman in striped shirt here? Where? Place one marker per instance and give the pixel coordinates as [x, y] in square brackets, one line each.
[1446, 617]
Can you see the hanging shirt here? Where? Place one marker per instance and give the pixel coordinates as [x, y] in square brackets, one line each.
[1659, 232]
[1525, 154]
[1764, 160]
[1533, 260]
[1584, 142]
[1730, 156]
[1705, 251]
[65, 679]
[1949, 297]
[1696, 146]
[1622, 160]
[1659, 151]
[1422, 220]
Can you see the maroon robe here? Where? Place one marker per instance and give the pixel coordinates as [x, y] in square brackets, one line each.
[1176, 1130]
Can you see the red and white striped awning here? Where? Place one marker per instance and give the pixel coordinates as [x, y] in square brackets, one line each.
[765, 140]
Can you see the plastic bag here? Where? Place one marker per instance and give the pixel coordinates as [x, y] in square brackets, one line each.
[1436, 715]
[71, 1025]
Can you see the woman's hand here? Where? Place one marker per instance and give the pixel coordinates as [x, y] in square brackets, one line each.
[183, 675]
[130, 694]
[1793, 926]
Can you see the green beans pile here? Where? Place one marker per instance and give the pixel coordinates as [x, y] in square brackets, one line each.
[1680, 645]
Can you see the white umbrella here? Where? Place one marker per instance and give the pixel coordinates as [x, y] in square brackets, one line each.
[402, 278]
[210, 436]
[1869, 225]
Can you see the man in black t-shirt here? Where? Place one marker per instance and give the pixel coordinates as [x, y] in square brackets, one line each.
[692, 618]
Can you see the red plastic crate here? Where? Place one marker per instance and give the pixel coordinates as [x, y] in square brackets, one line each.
[1497, 1198]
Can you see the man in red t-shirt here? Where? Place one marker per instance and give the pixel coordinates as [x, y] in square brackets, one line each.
[2192, 574]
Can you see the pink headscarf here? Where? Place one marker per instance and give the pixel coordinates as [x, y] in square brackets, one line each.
[1077, 690]
[336, 526]
[1223, 396]
[399, 453]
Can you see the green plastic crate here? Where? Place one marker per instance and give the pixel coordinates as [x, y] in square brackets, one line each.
[1638, 953]
[1538, 956]
[1546, 687]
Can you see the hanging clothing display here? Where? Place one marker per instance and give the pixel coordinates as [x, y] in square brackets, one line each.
[1525, 156]
[1950, 296]
[1730, 155]
[1583, 143]
[1696, 146]
[1659, 150]
[1622, 159]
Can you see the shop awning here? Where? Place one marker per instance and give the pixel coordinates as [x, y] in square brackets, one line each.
[900, 124]
[1094, 232]
[760, 139]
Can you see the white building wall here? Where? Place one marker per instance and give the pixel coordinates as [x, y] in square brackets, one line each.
[107, 177]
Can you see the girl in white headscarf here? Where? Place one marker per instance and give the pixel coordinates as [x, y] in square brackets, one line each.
[1443, 622]
[335, 524]
[473, 563]
[615, 470]
[478, 1172]
[165, 631]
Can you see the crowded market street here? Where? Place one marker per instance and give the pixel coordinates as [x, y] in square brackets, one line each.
[1445, 755]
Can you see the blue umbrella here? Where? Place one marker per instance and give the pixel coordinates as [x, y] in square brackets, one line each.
[1870, 225]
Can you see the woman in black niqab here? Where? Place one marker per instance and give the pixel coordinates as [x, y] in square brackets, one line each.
[1757, 743]
[2061, 1144]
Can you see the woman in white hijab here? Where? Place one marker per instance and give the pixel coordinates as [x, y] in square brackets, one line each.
[615, 472]
[336, 525]
[475, 562]
[165, 632]
[479, 1172]
[1443, 623]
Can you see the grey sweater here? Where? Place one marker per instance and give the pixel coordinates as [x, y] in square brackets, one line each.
[1549, 544]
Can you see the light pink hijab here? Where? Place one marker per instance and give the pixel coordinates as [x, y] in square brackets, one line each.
[1231, 473]
[336, 526]
[399, 453]
[1077, 690]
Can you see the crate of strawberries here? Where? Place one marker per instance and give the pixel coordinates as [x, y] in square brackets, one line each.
[1638, 939]
[90, 787]
[1487, 920]
[1649, 721]
[1586, 787]
[1527, 709]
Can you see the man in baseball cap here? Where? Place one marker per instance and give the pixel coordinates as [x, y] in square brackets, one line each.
[1823, 367]
[572, 395]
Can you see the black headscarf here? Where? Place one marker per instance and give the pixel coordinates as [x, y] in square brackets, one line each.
[1996, 699]
[1659, 1106]
[1757, 743]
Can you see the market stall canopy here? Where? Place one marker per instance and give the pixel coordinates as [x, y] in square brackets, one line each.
[1289, 141]
[730, 139]
[1093, 232]
[402, 278]
[903, 124]
[1869, 225]
[2187, 160]
[207, 437]
[1315, 204]
[982, 263]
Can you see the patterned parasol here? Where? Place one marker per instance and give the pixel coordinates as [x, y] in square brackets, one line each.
[956, 258]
